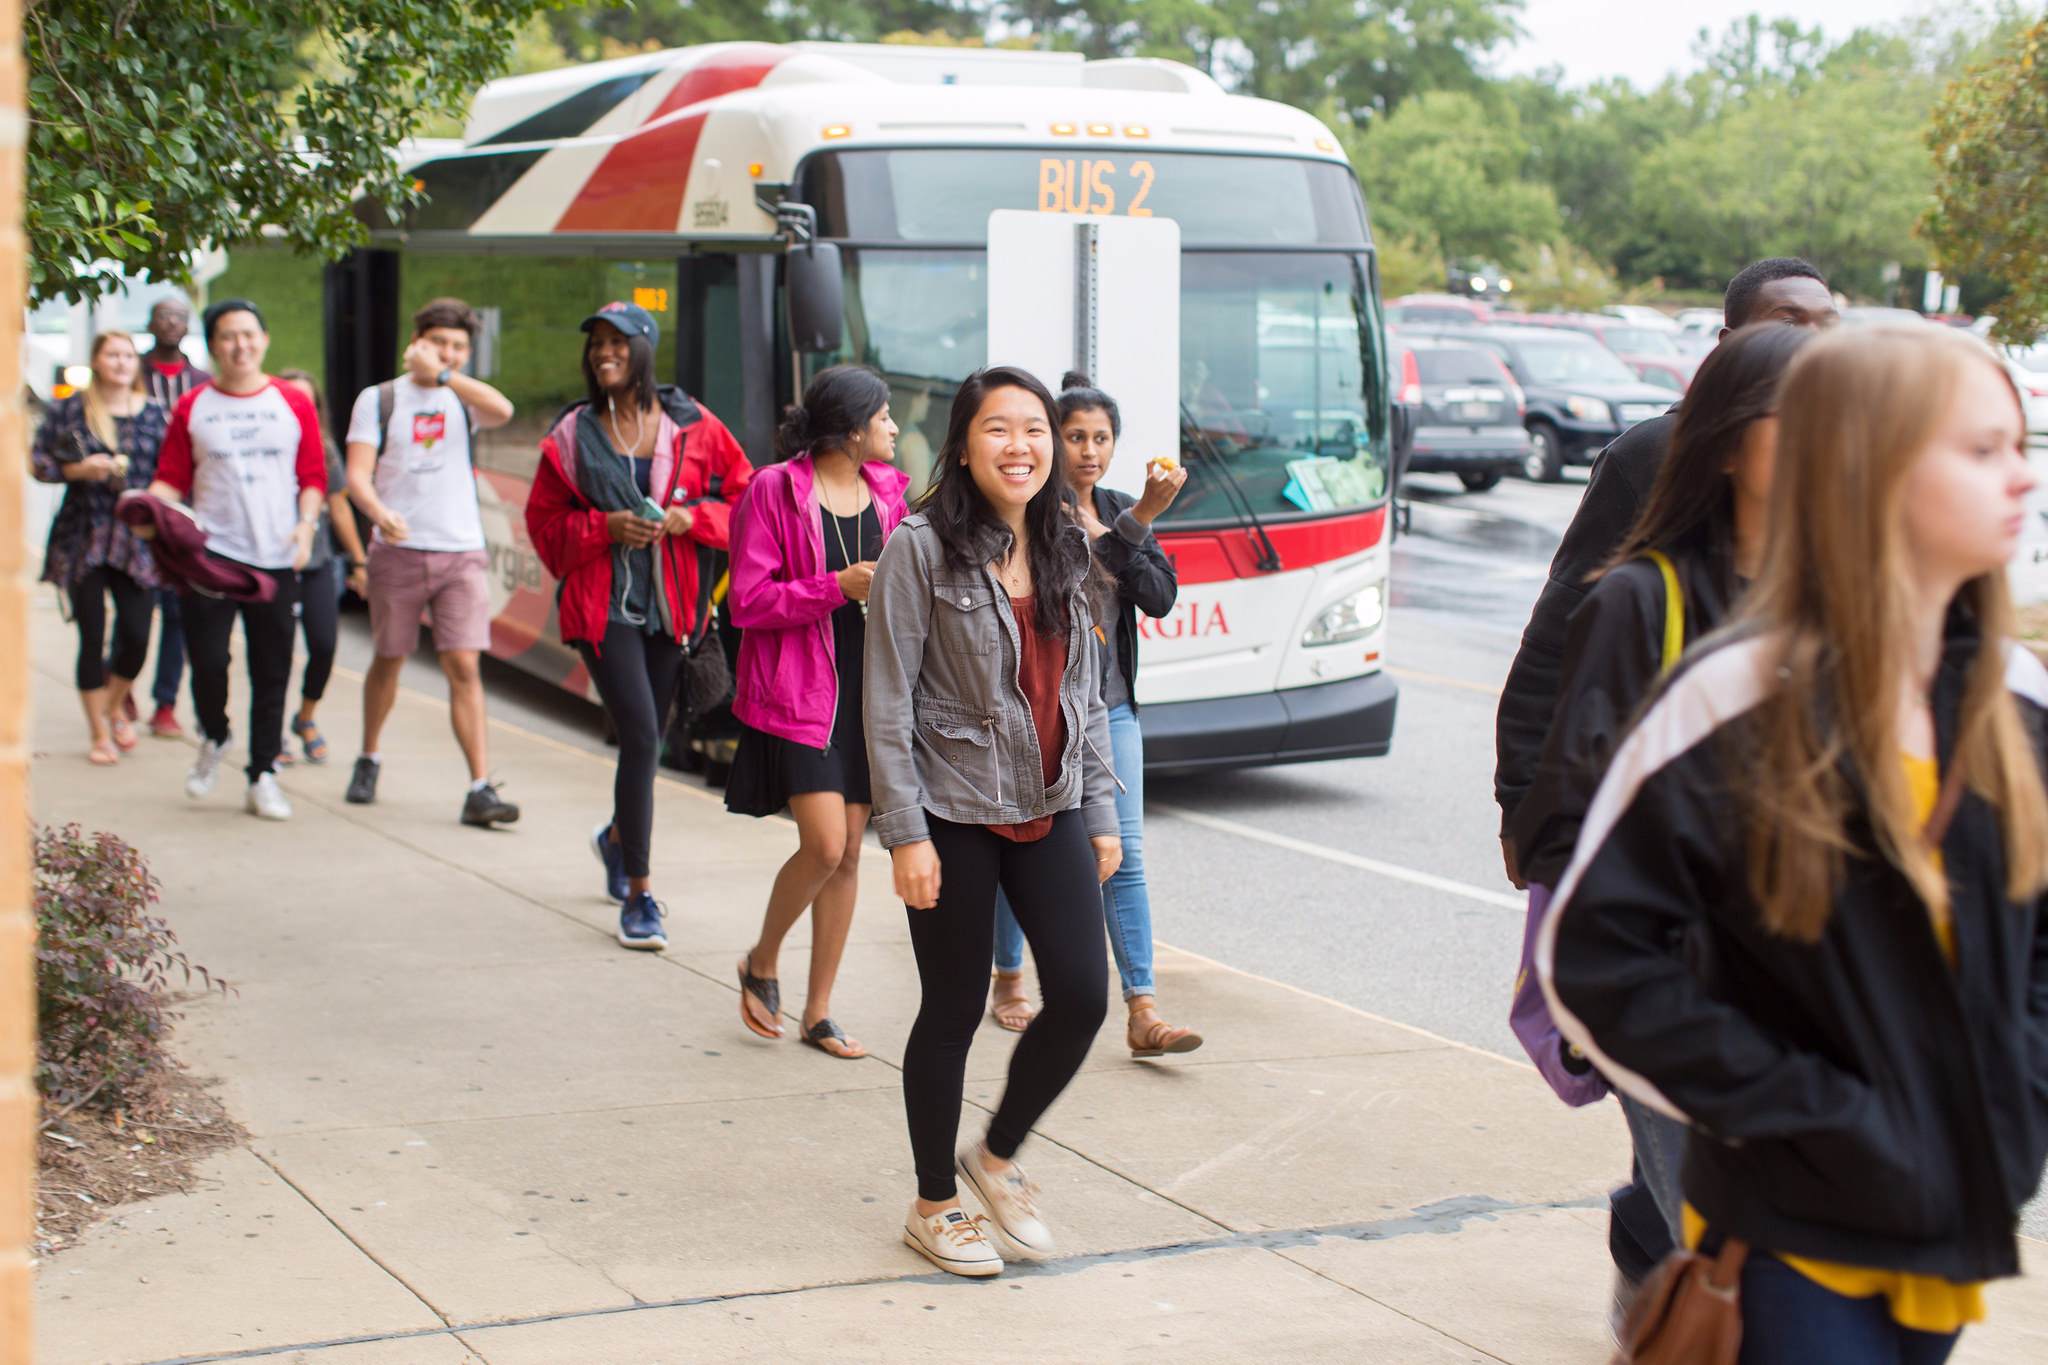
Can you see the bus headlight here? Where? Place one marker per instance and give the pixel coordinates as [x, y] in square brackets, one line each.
[1349, 618]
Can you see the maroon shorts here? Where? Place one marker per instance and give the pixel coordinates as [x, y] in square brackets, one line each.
[450, 586]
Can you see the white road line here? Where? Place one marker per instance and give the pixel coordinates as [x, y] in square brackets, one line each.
[1503, 899]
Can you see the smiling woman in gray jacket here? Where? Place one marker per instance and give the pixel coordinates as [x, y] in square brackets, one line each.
[988, 746]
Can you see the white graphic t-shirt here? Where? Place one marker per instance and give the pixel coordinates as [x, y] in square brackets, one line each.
[424, 474]
[240, 461]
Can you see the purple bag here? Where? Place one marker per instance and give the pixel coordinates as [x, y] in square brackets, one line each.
[1576, 1083]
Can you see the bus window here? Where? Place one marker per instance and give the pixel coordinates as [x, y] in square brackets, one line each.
[1280, 369]
[533, 350]
[921, 319]
[709, 355]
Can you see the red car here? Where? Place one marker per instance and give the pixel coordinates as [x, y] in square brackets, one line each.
[1436, 310]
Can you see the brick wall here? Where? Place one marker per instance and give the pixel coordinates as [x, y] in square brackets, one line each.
[17, 927]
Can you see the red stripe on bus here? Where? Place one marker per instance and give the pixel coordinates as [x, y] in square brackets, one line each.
[639, 185]
[1219, 556]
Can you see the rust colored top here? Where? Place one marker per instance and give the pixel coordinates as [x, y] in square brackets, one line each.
[1041, 660]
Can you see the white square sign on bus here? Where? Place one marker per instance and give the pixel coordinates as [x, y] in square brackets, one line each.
[1035, 317]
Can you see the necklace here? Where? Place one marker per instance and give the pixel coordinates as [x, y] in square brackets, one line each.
[839, 534]
[1012, 577]
[619, 442]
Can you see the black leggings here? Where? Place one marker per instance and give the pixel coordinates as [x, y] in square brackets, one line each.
[1058, 902]
[267, 629]
[636, 674]
[131, 625]
[320, 618]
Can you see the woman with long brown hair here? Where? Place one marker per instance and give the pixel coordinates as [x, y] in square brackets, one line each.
[1804, 911]
[1675, 576]
[99, 442]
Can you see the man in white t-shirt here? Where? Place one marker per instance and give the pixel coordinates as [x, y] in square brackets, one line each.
[411, 469]
[246, 454]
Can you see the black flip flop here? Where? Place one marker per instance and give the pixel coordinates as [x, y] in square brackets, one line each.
[764, 989]
[817, 1033]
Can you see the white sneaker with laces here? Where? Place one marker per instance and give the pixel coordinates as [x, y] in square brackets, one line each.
[1012, 1204]
[266, 799]
[205, 768]
[952, 1241]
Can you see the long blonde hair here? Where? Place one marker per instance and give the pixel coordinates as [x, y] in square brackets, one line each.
[99, 418]
[1857, 409]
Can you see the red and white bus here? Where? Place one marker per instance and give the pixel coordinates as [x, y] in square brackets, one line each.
[680, 179]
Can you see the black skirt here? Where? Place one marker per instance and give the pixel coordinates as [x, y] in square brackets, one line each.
[769, 769]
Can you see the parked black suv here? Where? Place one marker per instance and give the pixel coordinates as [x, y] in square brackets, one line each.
[1468, 410]
[1579, 394]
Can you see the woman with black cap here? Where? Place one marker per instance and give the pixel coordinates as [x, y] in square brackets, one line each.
[630, 482]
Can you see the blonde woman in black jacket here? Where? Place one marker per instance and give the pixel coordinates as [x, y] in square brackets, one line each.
[1804, 914]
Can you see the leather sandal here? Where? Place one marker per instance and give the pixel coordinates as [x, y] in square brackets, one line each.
[825, 1032]
[767, 992]
[1159, 1037]
[1011, 1012]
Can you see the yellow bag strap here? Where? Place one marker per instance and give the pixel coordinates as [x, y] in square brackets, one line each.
[1674, 607]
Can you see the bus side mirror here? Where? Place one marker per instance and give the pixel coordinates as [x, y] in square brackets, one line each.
[817, 297]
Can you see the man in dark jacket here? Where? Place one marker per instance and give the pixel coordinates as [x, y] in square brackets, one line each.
[1782, 289]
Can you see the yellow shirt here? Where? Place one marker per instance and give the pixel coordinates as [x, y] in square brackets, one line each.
[1925, 1303]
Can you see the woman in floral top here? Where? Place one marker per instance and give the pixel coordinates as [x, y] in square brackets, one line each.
[98, 442]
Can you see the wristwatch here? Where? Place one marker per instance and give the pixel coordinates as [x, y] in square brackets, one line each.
[443, 377]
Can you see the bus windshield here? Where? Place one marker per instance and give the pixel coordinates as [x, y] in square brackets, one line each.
[1279, 368]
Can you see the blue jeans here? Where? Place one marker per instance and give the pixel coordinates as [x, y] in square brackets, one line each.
[170, 650]
[1659, 1144]
[1126, 902]
[1787, 1319]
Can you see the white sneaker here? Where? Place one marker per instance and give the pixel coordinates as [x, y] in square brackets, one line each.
[953, 1242]
[205, 768]
[1012, 1206]
[266, 799]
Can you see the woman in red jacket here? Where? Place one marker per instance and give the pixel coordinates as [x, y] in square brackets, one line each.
[630, 483]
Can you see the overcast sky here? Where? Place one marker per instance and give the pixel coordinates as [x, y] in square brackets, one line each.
[1647, 39]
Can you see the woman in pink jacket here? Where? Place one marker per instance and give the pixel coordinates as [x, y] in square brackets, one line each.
[804, 546]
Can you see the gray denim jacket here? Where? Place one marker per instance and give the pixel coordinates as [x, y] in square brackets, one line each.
[948, 729]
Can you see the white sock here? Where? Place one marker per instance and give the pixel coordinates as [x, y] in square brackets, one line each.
[480, 784]
[377, 759]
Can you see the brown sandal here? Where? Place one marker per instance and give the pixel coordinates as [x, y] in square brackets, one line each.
[824, 1034]
[765, 991]
[1159, 1038]
[1012, 1012]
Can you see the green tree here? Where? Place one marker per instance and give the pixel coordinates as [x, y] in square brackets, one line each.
[1449, 170]
[158, 129]
[1990, 141]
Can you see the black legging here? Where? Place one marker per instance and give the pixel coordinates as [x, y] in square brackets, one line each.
[320, 618]
[131, 625]
[1053, 890]
[636, 674]
[267, 629]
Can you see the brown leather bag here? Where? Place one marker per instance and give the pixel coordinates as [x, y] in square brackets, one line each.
[1689, 1311]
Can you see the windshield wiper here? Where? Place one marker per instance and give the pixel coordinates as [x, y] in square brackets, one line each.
[1191, 431]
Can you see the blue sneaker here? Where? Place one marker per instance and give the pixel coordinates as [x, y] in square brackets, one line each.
[640, 923]
[614, 859]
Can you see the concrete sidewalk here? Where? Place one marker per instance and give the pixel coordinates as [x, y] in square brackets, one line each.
[483, 1132]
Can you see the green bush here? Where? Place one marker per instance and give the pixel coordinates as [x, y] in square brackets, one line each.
[103, 971]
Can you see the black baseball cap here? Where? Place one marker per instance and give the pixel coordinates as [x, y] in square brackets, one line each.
[630, 318]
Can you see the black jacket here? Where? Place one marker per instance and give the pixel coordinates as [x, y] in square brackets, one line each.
[1144, 576]
[1621, 482]
[1853, 1100]
[1613, 658]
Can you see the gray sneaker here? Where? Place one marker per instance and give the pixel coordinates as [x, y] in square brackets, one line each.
[362, 783]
